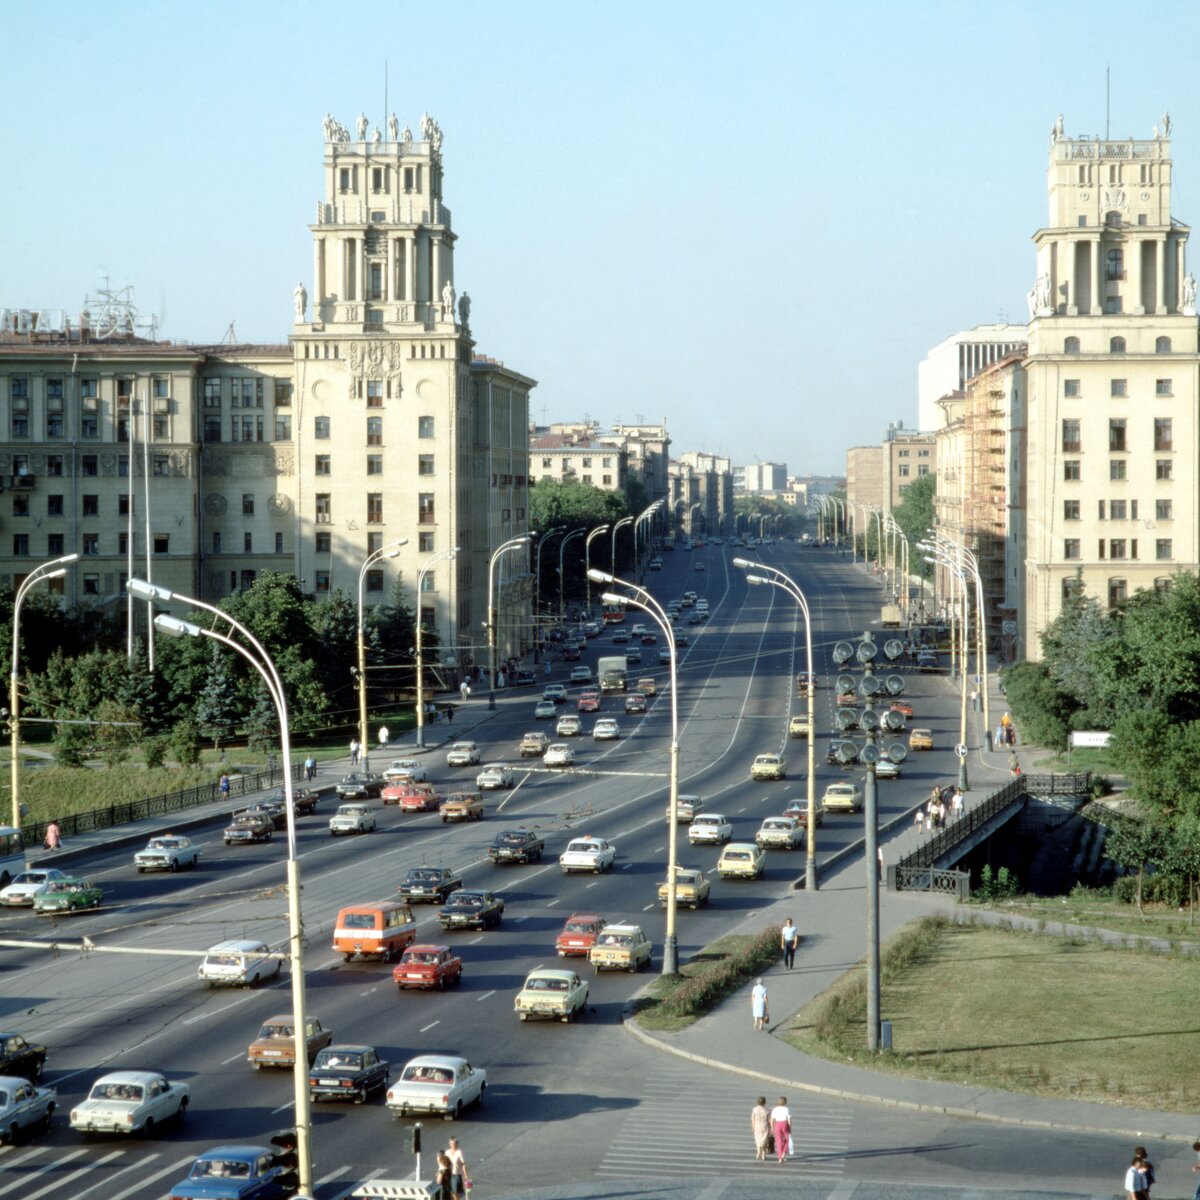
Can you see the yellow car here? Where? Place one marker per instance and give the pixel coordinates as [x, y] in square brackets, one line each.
[691, 888]
[798, 727]
[920, 739]
[742, 860]
[768, 766]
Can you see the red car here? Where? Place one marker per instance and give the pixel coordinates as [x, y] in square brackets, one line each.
[798, 809]
[902, 706]
[418, 797]
[571, 654]
[589, 702]
[428, 966]
[579, 934]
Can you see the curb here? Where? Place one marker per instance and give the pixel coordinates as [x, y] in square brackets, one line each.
[945, 1110]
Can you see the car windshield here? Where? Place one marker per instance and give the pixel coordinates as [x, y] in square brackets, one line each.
[427, 1074]
[275, 1031]
[339, 1058]
[512, 839]
[117, 1091]
[738, 855]
[31, 877]
[616, 939]
[220, 1168]
[358, 921]
[547, 985]
[63, 885]
[420, 956]
[419, 876]
[582, 848]
[581, 927]
[465, 900]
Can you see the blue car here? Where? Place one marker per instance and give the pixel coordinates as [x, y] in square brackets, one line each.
[234, 1173]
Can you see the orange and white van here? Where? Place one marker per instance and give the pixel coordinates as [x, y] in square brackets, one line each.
[374, 930]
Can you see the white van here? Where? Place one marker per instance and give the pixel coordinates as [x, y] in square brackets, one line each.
[238, 963]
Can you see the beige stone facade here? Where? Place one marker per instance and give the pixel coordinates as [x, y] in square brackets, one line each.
[378, 423]
[1112, 383]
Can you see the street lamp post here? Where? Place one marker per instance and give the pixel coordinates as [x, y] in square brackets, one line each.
[644, 515]
[562, 590]
[537, 590]
[642, 599]
[439, 557]
[511, 544]
[391, 550]
[971, 565]
[612, 561]
[262, 662]
[942, 558]
[587, 562]
[780, 579]
[56, 568]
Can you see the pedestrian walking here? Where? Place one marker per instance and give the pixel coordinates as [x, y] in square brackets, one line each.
[975, 699]
[460, 1182]
[1011, 732]
[758, 1005]
[919, 818]
[384, 736]
[464, 690]
[789, 935]
[547, 666]
[1014, 764]
[1000, 738]
[53, 839]
[1147, 1167]
[1135, 1180]
[781, 1128]
[1196, 1148]
[354, 752]
[956, 803]
[441, 1179]
[310, 767]
[450, 714]
[224, 786]
[760, 1126]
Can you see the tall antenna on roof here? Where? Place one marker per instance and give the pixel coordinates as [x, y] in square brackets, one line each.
[383, 123]
[1107, 99]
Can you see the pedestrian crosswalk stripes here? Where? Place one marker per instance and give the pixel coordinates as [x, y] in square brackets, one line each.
[693, 1122]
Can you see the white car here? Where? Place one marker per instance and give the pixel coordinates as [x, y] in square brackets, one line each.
[568, 726]
[130, 1102]
[463, 754]
[167, 853]
[559, 754]
[780, 833]
[884, 769]
[238, 963]
[587, 854]
[581, 674]
[638, 630]
[494, 776]
[606, 730]
[555, 692]
[24, 1104]
[437, 1083]
[547, 992]
[29, 884]
[664, 654]
[352, 818]
[406, 768]
[710, 828]
[842, 797]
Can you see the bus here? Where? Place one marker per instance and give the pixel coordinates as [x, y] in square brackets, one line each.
[614, 614]
[12, 854]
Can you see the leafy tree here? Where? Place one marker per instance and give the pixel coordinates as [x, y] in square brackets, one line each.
[154, 751]
[1182, 857]
[218, 707]
[1069, 647]
[262, 726]
[1134, 844]
[1042, 709]
[915, 517]
[1161, 759]
[117, 730]
[70, 745]
[185, 742]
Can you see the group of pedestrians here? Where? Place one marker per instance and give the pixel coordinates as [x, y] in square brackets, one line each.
[772, 1130]
[451, 1179]
[942, 806]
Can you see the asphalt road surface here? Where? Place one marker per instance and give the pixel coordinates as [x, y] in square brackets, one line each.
[576, 1109]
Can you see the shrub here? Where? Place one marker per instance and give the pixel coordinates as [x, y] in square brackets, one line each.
[70, 746]
[701, 992]
[154, 751]
[185, 742]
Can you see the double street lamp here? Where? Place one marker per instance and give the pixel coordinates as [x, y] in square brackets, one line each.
[780, 579]
[562, 590]
[56, 568]
[391, 550]
[262, 662]
[503, 548]
[537, 588]
[587, 562]
[441, 556]
[642, 599]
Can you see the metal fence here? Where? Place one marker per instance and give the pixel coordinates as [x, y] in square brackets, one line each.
[929, 879]
[155, 806]
[942, 842]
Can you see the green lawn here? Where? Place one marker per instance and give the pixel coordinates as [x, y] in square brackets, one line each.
[1025, 1013]
[1100, 911]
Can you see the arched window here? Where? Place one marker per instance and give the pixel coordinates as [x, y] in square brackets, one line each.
[1112, 218]
[1071, 345]
[1162, 345]
[1116, 345]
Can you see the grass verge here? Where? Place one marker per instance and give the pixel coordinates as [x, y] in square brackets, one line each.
[1100, 910]
[1022, 1012]
[717, 971]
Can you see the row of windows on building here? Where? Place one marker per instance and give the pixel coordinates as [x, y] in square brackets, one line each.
[1118, 435]
[904, 470]
[585, 463]
[1117, 548]
[1164, 470]
[426, 509]
[908, 453]
[1120, 510]
[1118, 389]
[1116, 345]
[89, 466]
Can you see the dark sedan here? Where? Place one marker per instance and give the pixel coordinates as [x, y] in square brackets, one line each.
[19, 1057]
[360, 785]
[471, 910]
[347, 1073]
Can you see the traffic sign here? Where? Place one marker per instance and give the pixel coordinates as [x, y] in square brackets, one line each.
[960, 750]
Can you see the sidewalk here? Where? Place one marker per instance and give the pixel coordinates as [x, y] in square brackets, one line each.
[832, 924]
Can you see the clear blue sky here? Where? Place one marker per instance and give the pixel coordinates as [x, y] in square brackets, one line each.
[750, 220]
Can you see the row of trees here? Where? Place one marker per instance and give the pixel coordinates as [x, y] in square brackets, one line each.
[1135, 672]
[106, 700]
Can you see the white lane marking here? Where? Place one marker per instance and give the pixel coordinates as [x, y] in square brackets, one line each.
[476, 941]
[517, 920]
[204, 1016]
[742, 809]
[282, 1108]
[648, 908]
[331, 1176]
[177, 1167]
[54, 1165]
[427, 1028]
[626, 866]
[139, 1163]
[232, 1058]
[368, 991]
[486, 995]
[553, 902]
[659, 849]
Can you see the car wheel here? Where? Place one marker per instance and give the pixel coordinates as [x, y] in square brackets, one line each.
[522, 1016]
[10, 1135]
[360, 1096]
[441, 983]
[181, 1111]
[174, 866]
[148, 1127]
[347, 957]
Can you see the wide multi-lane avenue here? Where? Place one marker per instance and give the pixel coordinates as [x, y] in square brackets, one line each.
[562, 1099]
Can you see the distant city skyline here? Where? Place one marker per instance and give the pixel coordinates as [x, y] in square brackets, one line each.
[753, 226]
